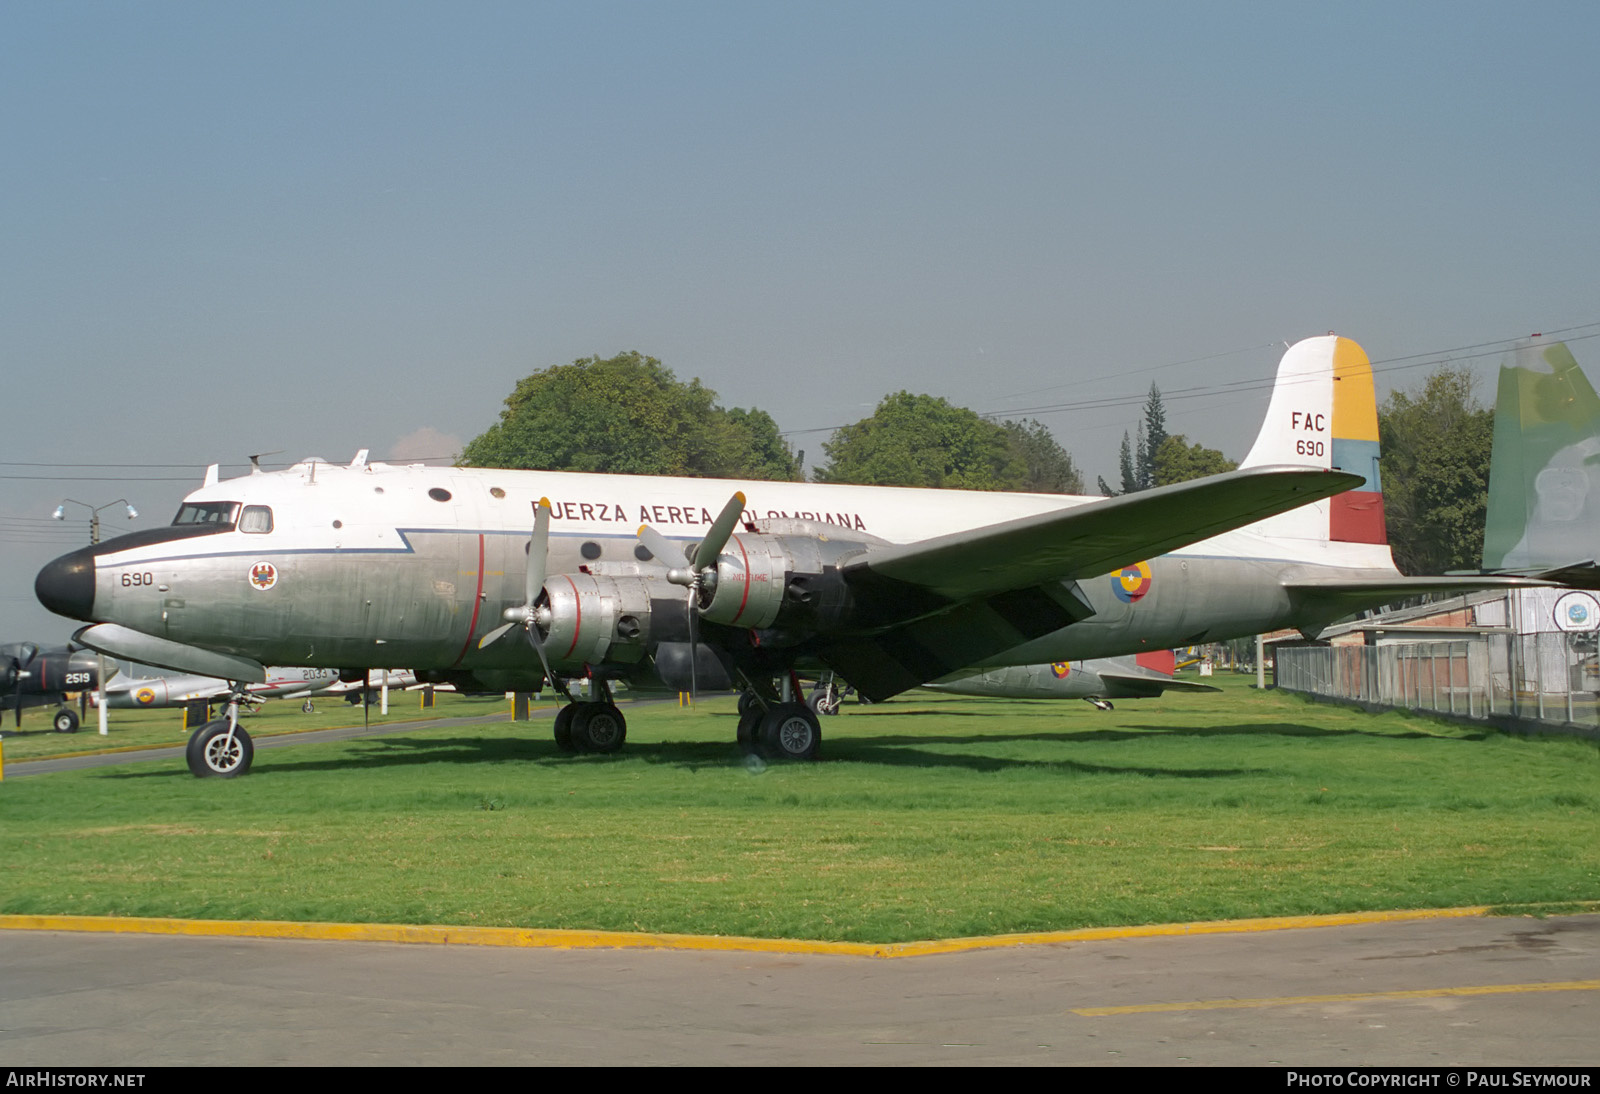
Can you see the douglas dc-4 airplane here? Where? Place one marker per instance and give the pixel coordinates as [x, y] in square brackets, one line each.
[370, 565]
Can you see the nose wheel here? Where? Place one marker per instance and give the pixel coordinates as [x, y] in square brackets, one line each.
[216, 753]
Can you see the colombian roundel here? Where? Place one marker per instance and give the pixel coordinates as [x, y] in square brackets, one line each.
[1131, 582]
[1059, 669]
[144, 697]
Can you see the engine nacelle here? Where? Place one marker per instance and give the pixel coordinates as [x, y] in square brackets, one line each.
[586, 620]
[763, 577]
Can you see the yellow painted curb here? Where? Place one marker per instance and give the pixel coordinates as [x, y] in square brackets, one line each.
[594, 940]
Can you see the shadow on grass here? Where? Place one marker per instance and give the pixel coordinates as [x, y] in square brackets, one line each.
[896, 751]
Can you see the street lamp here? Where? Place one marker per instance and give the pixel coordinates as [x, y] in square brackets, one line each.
[94, 537]
[94, 513]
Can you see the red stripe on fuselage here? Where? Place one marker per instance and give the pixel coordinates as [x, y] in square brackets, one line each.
[477, 601]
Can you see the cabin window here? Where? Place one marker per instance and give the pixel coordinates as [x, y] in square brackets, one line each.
[213, 514]
[439, 493]
[590, 550]
[496, 492]
[255, 518]
[642, 553]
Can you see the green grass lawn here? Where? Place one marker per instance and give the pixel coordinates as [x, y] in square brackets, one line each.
[929, 816]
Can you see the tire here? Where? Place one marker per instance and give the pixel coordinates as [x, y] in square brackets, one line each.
[790, 731]
[747, 703]
[563, 728]
[599, 727]
[210, 757]
[750, 730]
[308, 707]
[824, 703]
[65, 721]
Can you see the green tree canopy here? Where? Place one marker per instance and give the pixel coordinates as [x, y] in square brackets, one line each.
[921, 440]
[1179, 461]
[1435, 467]
[628, 415]
[1050, 469]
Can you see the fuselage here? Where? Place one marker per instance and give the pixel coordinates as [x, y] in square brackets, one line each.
[375, 565]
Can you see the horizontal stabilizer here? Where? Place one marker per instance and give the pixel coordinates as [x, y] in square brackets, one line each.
[1098, 537]
[162, 653]
[1326, 600]
[1139, 679]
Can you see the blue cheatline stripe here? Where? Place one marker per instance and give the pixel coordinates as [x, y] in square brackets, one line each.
[1358, 458]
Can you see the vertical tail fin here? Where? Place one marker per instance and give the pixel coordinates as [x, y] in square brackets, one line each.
[1544, 473]
[1324, 413]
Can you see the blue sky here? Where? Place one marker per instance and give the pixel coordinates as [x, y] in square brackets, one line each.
[312, 228]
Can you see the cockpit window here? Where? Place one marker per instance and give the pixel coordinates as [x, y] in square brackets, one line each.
[213, 514]
[255, 518]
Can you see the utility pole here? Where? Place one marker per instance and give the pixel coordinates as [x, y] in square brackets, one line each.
[94, 538]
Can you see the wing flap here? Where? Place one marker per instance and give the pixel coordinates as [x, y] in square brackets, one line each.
[1096, 537]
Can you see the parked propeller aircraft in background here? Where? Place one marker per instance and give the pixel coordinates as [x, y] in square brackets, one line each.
[36, 676]
[150, 692]
[177, 691]
[370, 565]
[1097, 681]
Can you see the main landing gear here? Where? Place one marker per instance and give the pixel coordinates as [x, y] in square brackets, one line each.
[221, 749]
[593, 726]
[783, 730]
[65, 721]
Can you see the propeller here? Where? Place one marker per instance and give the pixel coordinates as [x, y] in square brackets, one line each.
[17, 675]
[701, 572]
[526, 613]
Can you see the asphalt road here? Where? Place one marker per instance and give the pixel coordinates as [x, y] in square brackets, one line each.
[1323, 996]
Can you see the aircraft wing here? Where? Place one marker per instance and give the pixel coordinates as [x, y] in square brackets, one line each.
[1095, 538]
[926, 609]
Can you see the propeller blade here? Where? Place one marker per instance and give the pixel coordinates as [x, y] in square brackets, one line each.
[658, 544]
[538, 553]
[716, 539]
[538, 647]
[495, 635]
[694, 644]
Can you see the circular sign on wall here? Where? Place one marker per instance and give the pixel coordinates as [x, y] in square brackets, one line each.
[1577, 612]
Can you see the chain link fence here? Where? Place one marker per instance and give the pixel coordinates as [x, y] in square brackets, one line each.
[1550, 677]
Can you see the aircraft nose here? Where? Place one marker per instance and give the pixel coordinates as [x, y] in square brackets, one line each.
[66, 586]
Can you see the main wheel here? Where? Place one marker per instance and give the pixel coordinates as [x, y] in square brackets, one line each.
[564, 728]
[791, 732]
[65, 721]
[308, 707]
[750, 730]
[212, 755]
[747, 703]
[598, 727]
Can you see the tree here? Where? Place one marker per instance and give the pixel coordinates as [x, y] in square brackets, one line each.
[1435, 468]
[1179, 461]
[1125, 464]
[921, 440]
[628, 415]
[1152, 434]
[1049, 466]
